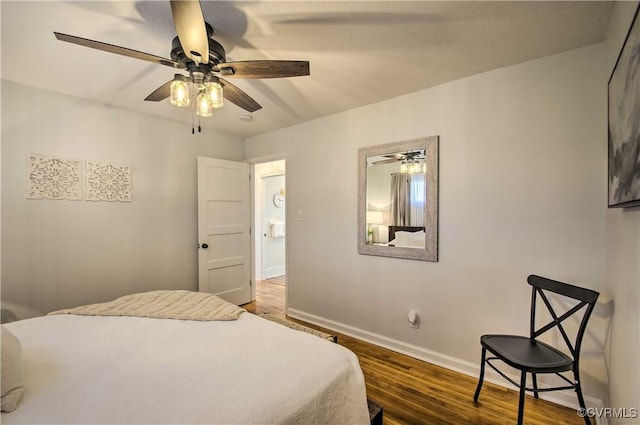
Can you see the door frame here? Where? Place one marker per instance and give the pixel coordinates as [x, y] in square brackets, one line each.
[254, 181]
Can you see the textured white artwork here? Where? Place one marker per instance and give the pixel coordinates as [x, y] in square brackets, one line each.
[107, 182]
[53, 178]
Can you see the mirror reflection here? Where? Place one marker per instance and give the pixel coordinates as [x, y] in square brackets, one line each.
[398, 199]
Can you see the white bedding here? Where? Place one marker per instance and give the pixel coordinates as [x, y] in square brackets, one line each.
[409, 239]
[126, 370]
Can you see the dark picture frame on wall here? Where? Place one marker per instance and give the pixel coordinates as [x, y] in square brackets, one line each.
[624, 122]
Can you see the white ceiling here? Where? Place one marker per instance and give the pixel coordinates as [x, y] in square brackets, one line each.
[360, 52]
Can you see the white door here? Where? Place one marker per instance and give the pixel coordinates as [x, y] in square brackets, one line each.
[224, 261]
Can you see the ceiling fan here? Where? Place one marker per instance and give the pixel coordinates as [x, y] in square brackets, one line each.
[411, 162]
[195, 51]
[409, 156]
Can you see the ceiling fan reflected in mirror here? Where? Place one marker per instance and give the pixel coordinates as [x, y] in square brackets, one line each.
[195, 51]
[410, 162]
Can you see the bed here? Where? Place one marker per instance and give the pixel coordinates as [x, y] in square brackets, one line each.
[119, 369]
[407, 236]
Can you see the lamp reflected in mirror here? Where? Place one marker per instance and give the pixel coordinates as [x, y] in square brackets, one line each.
[374, 219]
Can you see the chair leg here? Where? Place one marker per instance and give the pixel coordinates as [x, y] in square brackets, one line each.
[481, 378]
[535, 385]
[587, 421]
[523, 385]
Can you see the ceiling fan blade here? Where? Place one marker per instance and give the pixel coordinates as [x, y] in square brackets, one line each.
[161, 93]
[385, 161]
[264, 69]
[236, 96]
[116, 49]
[191, 29]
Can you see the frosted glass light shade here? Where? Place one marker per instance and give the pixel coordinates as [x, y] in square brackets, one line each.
[214, 94]
[203, 107]
[179, 93]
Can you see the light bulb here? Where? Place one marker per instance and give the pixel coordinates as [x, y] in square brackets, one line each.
[214, 94]
[179, 93]
[203, 107]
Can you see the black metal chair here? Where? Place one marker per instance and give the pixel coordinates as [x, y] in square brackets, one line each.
[529, 355]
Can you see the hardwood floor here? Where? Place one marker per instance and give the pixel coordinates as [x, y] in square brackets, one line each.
[413, 392]
[278, 280]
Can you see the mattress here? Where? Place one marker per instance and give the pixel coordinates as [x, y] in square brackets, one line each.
[126, 370]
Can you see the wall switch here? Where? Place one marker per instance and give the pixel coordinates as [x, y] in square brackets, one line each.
[300, 215]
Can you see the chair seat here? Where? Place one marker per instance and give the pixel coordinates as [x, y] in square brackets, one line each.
[523, 354]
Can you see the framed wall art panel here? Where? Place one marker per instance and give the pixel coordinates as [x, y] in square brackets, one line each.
[51, 177]
[108, 182]
[624, 122]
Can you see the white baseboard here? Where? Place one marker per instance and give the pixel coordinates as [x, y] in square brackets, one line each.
[564, 398]
[273, 271]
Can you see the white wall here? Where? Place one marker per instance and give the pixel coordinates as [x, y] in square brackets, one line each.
[522, 190]
[59, 254]
[623, 261]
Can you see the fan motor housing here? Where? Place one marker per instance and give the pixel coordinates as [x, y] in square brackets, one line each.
[216, 53]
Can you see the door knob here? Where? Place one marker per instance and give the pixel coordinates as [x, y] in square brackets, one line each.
[204, 246]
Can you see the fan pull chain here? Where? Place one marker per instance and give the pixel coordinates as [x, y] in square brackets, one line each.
[193, 130]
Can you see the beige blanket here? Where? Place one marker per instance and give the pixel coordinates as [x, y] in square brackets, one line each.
[183, 305]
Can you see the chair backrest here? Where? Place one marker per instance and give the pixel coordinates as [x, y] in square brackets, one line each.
[585, 297]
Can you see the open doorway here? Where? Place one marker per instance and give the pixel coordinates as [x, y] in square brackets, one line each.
[269, 240]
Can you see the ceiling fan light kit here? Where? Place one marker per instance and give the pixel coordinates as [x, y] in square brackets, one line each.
[209, 93]
[194, 50]
[412, 167]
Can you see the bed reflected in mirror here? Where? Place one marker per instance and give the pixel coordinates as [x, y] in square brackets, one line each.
[397, 199]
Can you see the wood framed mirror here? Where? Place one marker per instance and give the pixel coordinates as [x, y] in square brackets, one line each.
[398, 199]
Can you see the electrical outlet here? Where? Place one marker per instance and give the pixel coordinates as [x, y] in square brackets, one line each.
[413, 319]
